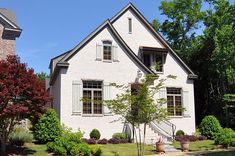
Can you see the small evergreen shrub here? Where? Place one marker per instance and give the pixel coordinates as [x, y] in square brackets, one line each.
[80, 149]
[179, 133]
[225, 137]
[103, 141]
[210, 126]
[113, 141]
[48, 127]
[119, 136]
[95, 134]
[96, 151]
[20, 136]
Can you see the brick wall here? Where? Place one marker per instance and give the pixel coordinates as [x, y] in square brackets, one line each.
[7, 46]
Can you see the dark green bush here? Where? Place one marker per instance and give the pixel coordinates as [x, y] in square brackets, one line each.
[80, 149]
[95, 133]
[180, 133]
[225, 137]
[96, 151]
[209, 127]
[119, 136]
[20, 136]
[60, 151]
[48, 127]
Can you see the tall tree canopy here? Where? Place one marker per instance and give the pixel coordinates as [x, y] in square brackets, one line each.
[211, 53]
[22, 95]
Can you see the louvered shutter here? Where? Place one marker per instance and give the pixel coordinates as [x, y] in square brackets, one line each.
[186, 103]
[115, 53]
[76, 97]
[107, 96]
[99, 50]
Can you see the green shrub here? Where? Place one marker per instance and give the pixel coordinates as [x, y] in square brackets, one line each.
[67, 141]
[95, 133]
[96, 151]
[180, 133]
[20, 136]
[60, 151]
[210, 126]
[119, 136]
[225, 137]
[80, 149]
[48, 127]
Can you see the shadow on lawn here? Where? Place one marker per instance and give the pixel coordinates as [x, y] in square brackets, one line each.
[17, 150]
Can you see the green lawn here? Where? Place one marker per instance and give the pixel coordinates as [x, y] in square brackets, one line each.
[198, 145]
[124, 150]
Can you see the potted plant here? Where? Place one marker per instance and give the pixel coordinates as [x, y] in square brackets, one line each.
[160, 146]
[184, 144]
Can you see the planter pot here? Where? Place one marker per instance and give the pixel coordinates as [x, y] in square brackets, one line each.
[160, 147]
[184, 146]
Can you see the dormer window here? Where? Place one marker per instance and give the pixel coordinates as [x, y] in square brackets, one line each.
[107, 50]
[154, 58]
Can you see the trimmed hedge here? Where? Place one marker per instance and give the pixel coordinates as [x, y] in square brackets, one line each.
[95, 134]
[179, 133]
[210, 126]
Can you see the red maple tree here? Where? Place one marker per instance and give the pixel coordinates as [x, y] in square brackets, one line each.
[22, 95]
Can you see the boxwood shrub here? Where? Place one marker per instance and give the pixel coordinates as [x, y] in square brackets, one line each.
[95, 134]
[225, 137]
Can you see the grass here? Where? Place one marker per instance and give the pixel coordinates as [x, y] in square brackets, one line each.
[40, 149]
[198, 145]
[124, 150]
[221, 153]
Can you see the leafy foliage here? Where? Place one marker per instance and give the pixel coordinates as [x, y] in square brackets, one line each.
[81, 149]
[20, 136]
[96, 151]
[179, 133]
[95, 134]
[119, 136]
[48, 127]
[22, 95]
[225, 137]
[210, 126]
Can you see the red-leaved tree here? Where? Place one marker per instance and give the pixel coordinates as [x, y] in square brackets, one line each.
[22, 95]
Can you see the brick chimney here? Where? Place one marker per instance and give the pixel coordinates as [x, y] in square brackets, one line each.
[8, 33]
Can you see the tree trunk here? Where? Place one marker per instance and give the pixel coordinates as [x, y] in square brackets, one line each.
[3, 146]
[144, 138]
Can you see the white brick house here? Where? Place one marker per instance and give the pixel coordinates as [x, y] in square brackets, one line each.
[118, 51]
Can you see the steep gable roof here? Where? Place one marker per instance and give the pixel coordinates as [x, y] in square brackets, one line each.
[131, 7]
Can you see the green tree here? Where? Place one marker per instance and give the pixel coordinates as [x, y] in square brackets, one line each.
[140, 107]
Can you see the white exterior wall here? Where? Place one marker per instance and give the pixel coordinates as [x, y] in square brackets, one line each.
[140, 36]
[84, 65]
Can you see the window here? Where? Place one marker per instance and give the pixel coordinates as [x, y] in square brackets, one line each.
[107, 50]
[159, 62]
[92, 95]
[147, 60]
[130, 25]
[174, 102]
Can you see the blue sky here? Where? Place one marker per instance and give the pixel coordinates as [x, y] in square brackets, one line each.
[51, 27]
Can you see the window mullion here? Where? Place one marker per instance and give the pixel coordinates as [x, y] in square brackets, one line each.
[174, 104]
[92, 101]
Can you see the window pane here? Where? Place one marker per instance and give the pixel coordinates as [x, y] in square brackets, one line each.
[97, 102]
[147, 60]
[87, 102]
[170, 105]
[107, 52]
[92, 84]
[173, 90]
[159, 62]
[178, 106]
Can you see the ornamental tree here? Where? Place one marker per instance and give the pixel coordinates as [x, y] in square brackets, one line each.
[22, 95]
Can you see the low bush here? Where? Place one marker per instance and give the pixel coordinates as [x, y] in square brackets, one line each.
[67, 141]
[225, 137]
[210, 126]
[48, 127]
[113, 141]
[179, 133]
[123, 141]
[90, 141]
[96, 151]
[20, 136]
[80, 149]
[191, 138]
[119, 136]
[95, 134]
[60, 151]
[103, 141]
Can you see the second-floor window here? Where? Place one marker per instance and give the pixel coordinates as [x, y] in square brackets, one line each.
[107, 50]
